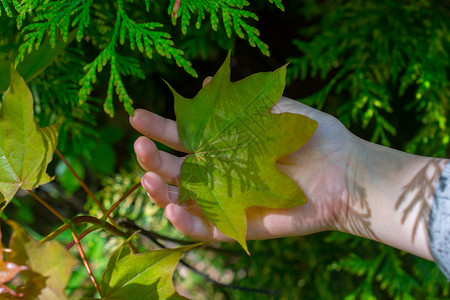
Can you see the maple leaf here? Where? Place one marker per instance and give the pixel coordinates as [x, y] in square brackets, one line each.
[25, 148]
[234, 142]
[49, 263]
[141, 276]
[8, 270]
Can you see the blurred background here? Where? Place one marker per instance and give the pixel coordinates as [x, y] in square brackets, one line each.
[382, 67]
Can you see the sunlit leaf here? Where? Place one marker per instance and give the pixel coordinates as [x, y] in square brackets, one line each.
[50, 265]
[141, 276]
[235, 142]
[25, 148]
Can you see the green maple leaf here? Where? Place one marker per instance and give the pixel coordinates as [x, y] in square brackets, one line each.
[50, 265]
[234, 142]
[141, 276]
[25, 148]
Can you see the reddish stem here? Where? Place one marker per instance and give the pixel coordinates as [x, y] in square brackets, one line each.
[61, 217]
[78, 178]
[86, 264]
[114, 206]
[83, 184]
[89, 219]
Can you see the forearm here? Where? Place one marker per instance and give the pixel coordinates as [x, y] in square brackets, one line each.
[391, 194]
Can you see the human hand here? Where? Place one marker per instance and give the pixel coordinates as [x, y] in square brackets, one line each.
[320, 169]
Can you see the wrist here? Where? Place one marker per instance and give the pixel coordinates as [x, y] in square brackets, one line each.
[390, 196]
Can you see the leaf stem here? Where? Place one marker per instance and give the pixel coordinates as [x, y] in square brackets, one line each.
[60, 216]
[86, 264]
[55, 233]
[82, 235]
[97, 224]
[114, 206]
[78, 178]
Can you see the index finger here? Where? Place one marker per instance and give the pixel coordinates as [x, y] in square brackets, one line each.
[157, 128]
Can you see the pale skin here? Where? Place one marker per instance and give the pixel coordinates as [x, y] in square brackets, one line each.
[351, 185]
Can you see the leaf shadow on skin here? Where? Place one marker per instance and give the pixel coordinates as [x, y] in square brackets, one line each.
[415, 193]
[359, 214]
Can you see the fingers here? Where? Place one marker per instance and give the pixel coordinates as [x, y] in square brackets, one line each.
[151, 159]
[158, 190]
[206, 81]
[187, 218]
[158, 128]
[163, 167]
[193, 226]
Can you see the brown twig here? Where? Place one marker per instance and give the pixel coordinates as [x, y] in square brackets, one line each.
[78, 178]
[114, 206]
[60, 216]
[98, 224]
[55, 233]
[83, 185]
[86, 264]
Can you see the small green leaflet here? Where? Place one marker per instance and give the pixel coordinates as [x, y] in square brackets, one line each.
[141, 276]
[25, 148]
[50, 265]
[234, 142]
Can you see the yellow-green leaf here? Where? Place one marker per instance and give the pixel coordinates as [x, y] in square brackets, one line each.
[25, 148]
[141, 276]
[49, 263]
[234, 142]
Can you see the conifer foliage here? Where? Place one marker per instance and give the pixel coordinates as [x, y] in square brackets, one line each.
[120, 36]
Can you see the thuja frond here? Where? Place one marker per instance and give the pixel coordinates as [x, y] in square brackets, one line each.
[278, 4]
[141, 36]
[6, 4]
[56, 97]
[371, 43]
[146, 38]
[109, 28]
[232, 13]
[50, 18]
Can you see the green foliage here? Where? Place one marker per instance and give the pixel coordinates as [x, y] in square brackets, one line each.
[235, 141]
[393, 53]
[25, 148]
[130, 276]
[233, 17]
[376, 53]
[116, 28]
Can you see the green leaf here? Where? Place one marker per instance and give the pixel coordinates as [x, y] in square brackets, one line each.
[234, 142]
[35, 62]
[50, 263]
[25, 148]
[141, 276]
